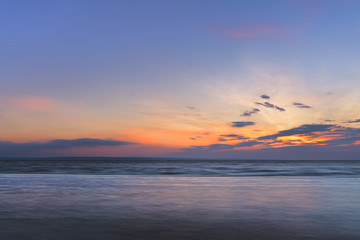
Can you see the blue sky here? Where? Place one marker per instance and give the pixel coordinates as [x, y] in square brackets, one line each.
[172, 76]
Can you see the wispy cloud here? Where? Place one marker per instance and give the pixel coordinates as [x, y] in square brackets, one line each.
[234, 136]
[303, 129]
[344, 136]
[35, 148]
[354, 121]
[270, 105]
[310, 8]
[222, 146]
[285, 152]
[249, 113]
[190, 107]
[300, 105]
[241, 124]
[264, 96]
[37, 103]
[325, 140]
[231, 137]
[313, 8]
[223, 139]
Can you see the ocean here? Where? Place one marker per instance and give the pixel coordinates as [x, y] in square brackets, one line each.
[135, 198]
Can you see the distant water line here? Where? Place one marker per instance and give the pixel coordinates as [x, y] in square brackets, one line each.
[175, 167]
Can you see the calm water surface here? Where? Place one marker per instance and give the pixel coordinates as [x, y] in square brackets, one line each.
[160, 207]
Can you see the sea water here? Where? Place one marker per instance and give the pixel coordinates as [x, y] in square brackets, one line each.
[179, 199]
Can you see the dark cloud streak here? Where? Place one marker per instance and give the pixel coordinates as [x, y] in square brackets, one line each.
[270, 105]
[241, 124]
[30, 148]
[221, 146]
[231, 137]
[303, 129]
[300, 105]
[354, 121]
[249, 113]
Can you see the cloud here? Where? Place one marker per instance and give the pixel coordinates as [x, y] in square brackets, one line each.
[249, 113]
[354, 121]
[347, 131]
[264, 96]
[312, 8]
[303, 129]
[221, 146]
[300, 105]
[223, 139]
[247, 144]
[231, 137]
[34, 148]
[279, 108]
[234, 136]
[342, 136]
[35, 103]
[196, 137]
[343, 143]
[190, 107]
[249, 31]
[241, 124]
[270, 105]
[308, 152]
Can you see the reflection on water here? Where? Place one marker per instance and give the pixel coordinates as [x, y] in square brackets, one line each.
[161, 207]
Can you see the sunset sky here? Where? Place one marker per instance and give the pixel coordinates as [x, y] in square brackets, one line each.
[200, 79]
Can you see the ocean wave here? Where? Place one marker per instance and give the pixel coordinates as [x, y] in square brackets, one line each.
[181, 167]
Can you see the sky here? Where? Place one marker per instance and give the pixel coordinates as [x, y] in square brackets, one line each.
[241, 79]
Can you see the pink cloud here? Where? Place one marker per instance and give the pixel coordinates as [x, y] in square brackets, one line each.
[313, 8]
[250, 31]
[37, 103]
